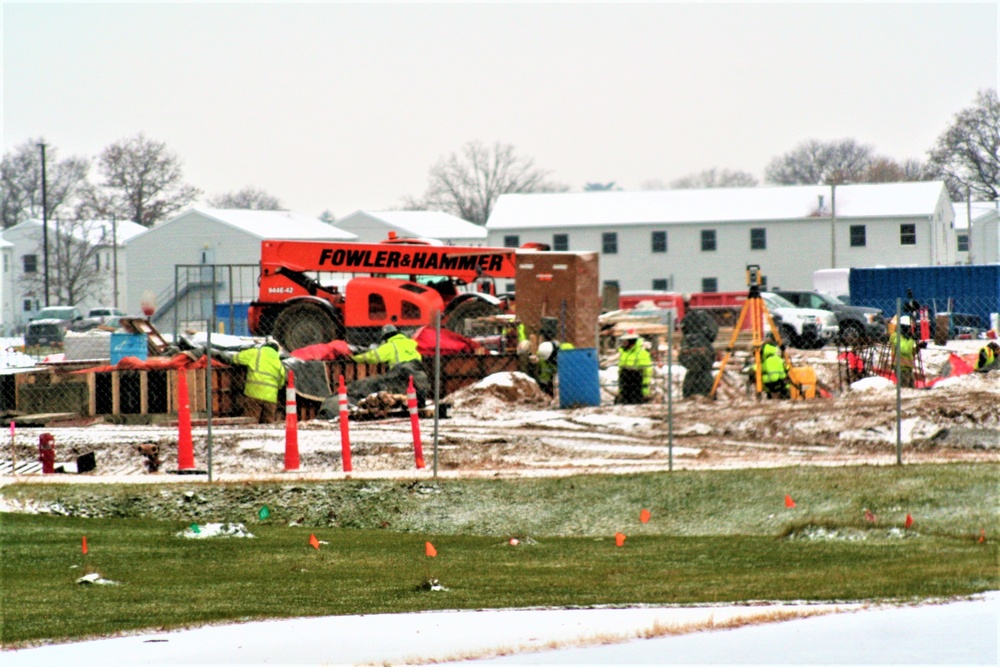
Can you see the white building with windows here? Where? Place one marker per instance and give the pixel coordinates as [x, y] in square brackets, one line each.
[375, 226]
[703, 240]
[7, 310]
[82, 253]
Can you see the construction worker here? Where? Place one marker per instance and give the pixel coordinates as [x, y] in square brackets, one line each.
[908, 349]
[635, 369]
[988, 357]
[547, 364]
[395, 349]
[265, 376]
[774, 375]
[697, 353]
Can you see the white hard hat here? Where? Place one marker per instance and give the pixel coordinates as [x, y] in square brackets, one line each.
[545, 350]
[904, 321]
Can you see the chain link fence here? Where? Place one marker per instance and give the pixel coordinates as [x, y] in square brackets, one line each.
[693, 374]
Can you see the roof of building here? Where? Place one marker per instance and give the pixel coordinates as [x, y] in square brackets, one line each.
[713, 205]
[268, 224]
[427, 224]
[96, 232]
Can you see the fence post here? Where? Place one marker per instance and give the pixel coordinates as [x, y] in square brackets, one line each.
[437, 384]
[899, 409]
[670, 391]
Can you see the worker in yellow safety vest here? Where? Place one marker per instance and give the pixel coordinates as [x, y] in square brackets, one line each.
[908, 349]
[774, 375]
[635, 369]
[988, 356]
[395, 349]
[548, 364]
[265, 376]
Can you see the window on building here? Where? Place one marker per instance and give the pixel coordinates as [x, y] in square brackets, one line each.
[660, 284]
[26, 305]
[858, 236]
[6, 263]
[512, 241]
[709, 284]
[609, 243]
[758, 238]
[560, 242]
[907, 234]
[708, 240]
[30, 263]
[963, 243]
[97, 261]
[659, 241]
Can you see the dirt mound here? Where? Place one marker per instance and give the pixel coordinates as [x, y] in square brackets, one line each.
[496, 394]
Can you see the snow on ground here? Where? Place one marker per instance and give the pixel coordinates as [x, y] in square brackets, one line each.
[958, 632]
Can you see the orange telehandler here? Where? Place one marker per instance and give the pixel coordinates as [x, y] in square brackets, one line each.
[378, 284]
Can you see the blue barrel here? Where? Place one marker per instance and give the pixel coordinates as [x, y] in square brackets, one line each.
[579, 380]
[128, 345]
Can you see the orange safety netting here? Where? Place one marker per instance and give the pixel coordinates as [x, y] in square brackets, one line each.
[155, 364]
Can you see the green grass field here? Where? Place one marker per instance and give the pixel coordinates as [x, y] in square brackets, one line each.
[713, 537]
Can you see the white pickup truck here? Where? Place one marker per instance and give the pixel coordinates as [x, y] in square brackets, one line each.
[802, 327]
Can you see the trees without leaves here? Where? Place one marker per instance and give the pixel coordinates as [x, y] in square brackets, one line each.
[21, 182]
[144, 180]
[715, 178]
[967, 155]
[74, 249]
[250, 198]
[814, 162]
[467, 184]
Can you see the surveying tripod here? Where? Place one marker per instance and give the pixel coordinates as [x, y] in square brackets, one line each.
[757, 310]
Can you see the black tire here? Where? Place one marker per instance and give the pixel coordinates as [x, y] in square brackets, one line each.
[851, 333]
[789, 337]
[304, 324]
[457, 319]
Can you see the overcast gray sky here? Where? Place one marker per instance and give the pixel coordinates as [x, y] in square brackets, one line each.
[346, 106]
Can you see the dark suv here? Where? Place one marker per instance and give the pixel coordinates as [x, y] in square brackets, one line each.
[856, 323]
[49, 326]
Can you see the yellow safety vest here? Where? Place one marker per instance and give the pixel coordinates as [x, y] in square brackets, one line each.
[265, 373]
[637, 358]
[397, 350]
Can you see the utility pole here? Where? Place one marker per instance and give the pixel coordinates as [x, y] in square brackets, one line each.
[833, 225]
[45, 228]
[114, 255]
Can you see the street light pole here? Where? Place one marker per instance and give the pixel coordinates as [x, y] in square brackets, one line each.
[45, 228]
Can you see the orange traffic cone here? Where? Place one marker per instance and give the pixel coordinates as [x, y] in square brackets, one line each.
[411, 402]
[185, 448]
[345, 429]
[291, 426]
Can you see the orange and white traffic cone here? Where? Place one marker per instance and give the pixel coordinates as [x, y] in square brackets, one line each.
[411, 402]
[185, 447]
[345, 432]
[291, 426]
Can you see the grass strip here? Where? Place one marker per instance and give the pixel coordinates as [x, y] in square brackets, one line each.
[166, 581]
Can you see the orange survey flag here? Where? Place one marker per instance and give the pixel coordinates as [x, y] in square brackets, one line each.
[313, 541]
[789, 502]
[83, 547]
[908, 522]
[619, 539]
[430, 550]
[644, 516]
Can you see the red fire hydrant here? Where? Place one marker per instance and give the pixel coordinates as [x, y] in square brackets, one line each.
[47, 452]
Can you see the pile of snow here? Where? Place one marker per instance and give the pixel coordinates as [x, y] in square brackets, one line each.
[495, 394]
[195, 531]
